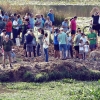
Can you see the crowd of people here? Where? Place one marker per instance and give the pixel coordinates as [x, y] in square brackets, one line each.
[67, 39]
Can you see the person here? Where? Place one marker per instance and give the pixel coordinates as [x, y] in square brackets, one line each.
[29, 45]
[83, 37]
[2, 25]
[56, 43]
[69, 46]
[6, 17]
[51, 16]
[43, 18]
[73, 26]
[86, 50]
[7, 47]
[45, 46]
[1, 13]
[40, 42]
[3, 34]
[27, 16]
[9, 27]
[48, 24]
[38, 22]
[19, 24]
[65, 25]
[62, 38]
[81, 49]
[13, 56]
[76, 43]
[95, 16]
[33, 42]
[31, 21]
[24, 30]
[92, 37]
[1, 51]
[24, 46]
[15, 29]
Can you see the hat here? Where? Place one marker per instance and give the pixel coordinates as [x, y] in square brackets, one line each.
[61, 29]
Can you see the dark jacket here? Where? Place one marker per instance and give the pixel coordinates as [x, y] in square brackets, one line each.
[29, 39]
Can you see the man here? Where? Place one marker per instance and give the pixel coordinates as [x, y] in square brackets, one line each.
[24, 30]
[93, 39]
[38, 22]
[73, 26]
[76, 43]
[51, 16]
[9, 27]
[2, 25]
[29, 45]
[62, 38]
[65, 25]
[31, 20]
[7, 47]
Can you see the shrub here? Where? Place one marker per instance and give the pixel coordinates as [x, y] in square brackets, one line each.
[28, 76]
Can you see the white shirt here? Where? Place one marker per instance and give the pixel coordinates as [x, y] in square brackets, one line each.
[86, 48]
[46, 43]
[81, 47]
[84, 39]
[15, 23]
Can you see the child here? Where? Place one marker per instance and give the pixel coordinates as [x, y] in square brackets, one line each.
[13, 56]
[81, 49]
[86, 50]
[45, 46]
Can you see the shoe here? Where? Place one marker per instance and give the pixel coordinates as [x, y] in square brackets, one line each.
[11, 66]
[14, 61]
[3, 66]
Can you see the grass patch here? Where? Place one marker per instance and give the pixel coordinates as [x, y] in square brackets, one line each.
[55, 90]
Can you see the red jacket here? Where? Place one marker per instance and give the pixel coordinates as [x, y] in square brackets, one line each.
[9, 26]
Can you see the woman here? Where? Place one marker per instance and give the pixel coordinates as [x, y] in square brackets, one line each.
[48, 24]
[40, 42]
[45, 46]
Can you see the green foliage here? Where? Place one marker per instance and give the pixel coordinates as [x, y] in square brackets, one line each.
[4, 78]
[28, 76]
[96, 92]
[56, 90]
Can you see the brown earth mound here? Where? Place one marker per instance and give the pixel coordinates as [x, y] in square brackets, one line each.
[38, 70]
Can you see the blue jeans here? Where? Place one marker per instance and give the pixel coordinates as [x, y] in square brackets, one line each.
[46, 54]
[63, 48]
